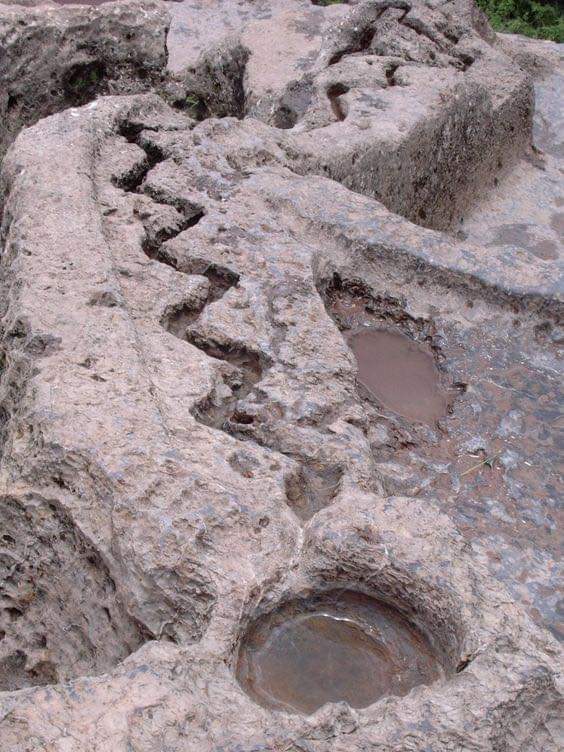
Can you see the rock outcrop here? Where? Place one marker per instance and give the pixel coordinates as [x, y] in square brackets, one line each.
[187, 444]
[57, 57]
[400, 101]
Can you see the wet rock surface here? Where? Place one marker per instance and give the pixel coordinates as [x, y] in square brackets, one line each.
[398, 373]
[206, 485]
[339, 647]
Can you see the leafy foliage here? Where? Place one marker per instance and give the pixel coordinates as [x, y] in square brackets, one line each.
[544, 20]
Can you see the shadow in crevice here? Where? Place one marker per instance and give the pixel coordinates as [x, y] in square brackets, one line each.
[246, 367]
[360, 44]
[132, 180]
[183, 214]
[338, 106]
[155, 238]
[179, 317]
[235, 404]
[312, 488]
[220, 410]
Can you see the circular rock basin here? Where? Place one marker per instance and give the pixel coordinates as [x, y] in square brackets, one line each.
[338, 646]
[400, 373]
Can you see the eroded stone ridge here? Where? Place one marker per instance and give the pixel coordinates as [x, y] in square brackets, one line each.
[56, 57]
[411, 103]
[192, 464]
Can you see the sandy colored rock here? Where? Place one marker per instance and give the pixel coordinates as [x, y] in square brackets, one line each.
[54, 56]
[186, 445]
[201, 535]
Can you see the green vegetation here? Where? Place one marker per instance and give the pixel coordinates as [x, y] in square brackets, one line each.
[192, 101]
[194, 105]
[528, 17]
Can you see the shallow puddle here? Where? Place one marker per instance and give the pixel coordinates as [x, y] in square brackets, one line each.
[343, 646]
[400, 373]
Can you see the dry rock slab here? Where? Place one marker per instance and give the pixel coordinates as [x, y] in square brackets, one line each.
[412, 103]
[523, 208]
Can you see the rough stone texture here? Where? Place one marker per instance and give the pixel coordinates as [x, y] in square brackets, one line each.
[198, 25]
[184, 444]
[411, 103]
[181, 484]
[46, 561]
[58, 56]
[524, 209]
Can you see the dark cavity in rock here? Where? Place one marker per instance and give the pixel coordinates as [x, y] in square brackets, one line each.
[400, 373]
[82, 81]
[339, 107]
[293, 105]
[60, 614]
[313, 488]
[338, 646]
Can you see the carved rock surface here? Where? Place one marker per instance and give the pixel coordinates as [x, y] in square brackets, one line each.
[523, 208]
[402, 101]
[58, 56]
[181, 480]
[186, 445]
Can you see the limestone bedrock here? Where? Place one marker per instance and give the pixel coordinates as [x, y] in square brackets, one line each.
[197, 474]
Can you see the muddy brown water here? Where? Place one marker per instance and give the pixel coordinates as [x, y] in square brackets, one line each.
[342, 646]
[400, 373]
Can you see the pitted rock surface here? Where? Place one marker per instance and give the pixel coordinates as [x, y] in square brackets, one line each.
[401, 101]
[54, 57]
[185, 444]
